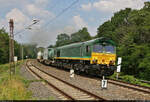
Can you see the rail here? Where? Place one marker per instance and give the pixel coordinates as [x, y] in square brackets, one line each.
[69, 84]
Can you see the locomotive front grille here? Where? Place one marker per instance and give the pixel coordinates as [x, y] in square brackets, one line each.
[103, 58]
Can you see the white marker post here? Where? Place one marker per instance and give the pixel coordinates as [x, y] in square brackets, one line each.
[15, 61]
[15, 58]
[71, 73]
[118, 67]
[104, 83]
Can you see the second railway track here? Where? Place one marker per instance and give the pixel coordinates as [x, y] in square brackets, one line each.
[69, 91]
[139, 88]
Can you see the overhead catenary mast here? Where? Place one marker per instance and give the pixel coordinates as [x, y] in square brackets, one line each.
[11, 47]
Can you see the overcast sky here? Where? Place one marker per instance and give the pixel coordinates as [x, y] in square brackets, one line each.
[85, 13]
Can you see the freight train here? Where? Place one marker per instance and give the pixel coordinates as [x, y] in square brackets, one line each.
[94, 57]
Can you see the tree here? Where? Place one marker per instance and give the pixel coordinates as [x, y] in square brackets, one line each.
[62, 39]
[81, 35]
[130, 29]
[4, 46]
[50, 46]
[146, 6]
[106, 30]
[118, 21]
[30, 50]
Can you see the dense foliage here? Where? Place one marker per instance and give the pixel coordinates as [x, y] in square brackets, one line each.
[4, 43]
[130, 29]
[81, 35]
[29, 50]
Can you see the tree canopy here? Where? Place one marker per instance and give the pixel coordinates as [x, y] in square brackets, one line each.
[81, 35]
[130, 29]
[29, 49]
[4, 46]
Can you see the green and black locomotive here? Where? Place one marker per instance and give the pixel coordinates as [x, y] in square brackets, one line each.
[97, 57]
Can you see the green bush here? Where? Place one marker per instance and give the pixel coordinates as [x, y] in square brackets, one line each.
[135, 60]
[130, 79]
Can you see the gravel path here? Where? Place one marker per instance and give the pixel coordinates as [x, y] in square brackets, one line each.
[113, 92]
[38, 89]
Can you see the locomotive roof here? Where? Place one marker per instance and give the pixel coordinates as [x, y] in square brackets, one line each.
[90, 42]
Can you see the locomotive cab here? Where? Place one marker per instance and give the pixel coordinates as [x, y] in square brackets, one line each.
[104, 54]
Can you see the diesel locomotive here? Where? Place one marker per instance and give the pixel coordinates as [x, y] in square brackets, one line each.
[95, 57]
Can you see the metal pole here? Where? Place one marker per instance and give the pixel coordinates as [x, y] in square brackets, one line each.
[10, 52]
[22, 53]
[13, 52]
[11, 47]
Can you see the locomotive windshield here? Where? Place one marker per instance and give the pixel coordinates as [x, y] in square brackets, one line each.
[109, 49]
[98, 48]
[104, 49]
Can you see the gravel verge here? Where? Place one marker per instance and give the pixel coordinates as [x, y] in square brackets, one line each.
[38, 89]
[113, 92]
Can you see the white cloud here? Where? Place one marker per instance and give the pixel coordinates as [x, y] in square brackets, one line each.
[69, 29]
[33, 10]
[23, 12]
[79, 22]
[17, 15]
[10, 4]
[20, 19]
[116, 5]
[87, 7]
[113, 5]
[10, 1]
[41, 3]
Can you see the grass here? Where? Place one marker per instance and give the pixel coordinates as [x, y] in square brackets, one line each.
[16, 87]
[129, 79]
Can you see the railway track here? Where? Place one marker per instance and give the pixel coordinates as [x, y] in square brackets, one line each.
[129, 86]
[135, 87]
[67, 90]
[144, 89]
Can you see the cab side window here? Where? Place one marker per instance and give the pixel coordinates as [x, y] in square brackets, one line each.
[87, 49]
[58, 53]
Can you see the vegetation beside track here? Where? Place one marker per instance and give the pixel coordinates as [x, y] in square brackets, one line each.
[129, 79]
[16, 87]
[29, 49]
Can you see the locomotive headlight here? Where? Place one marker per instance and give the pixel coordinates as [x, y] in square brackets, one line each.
[111, 62]
[103, 60]
[94, 61]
